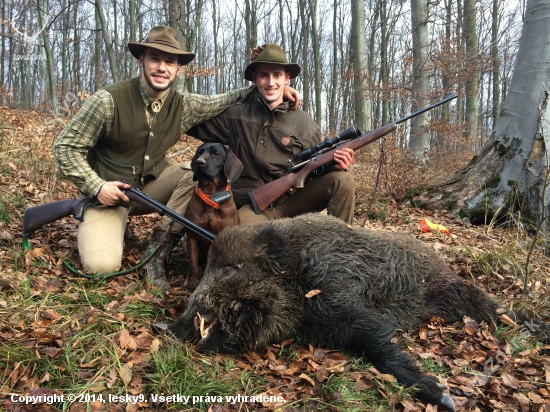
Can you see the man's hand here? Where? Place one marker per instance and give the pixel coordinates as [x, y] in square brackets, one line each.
[343, 158]
[110, 194]
[293, 96]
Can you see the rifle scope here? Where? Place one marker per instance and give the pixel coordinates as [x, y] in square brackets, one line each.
[348, 134]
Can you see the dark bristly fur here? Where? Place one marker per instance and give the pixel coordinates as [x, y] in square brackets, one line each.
[254, 287]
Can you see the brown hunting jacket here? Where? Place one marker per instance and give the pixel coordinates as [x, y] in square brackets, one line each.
[264, 140]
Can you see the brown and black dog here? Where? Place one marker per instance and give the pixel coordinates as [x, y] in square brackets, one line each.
[211, 206]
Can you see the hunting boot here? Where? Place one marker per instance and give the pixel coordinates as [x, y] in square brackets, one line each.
[154, 271]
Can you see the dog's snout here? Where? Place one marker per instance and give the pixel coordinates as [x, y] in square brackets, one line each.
[200, 162]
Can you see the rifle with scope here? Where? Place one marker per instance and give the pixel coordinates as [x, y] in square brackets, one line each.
[350, 133]
[264, 196]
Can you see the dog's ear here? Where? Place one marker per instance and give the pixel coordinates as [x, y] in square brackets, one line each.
[232, 166]
[194, 167]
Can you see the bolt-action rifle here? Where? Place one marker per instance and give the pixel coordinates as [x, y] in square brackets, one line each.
[37, 216]
[296, 177]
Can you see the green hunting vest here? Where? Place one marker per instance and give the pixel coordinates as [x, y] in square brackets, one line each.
[133, 151]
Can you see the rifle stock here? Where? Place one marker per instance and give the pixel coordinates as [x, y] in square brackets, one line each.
[37, 216]
[265, 195]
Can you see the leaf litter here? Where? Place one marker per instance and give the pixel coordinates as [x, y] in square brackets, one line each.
[485, 368]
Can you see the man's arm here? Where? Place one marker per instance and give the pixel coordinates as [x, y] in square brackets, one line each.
[199, 108]
[215, 129]
[79, 136]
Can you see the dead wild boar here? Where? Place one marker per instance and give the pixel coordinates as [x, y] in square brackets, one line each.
[371, 282]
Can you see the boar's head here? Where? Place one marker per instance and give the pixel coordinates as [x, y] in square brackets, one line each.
[242, 302]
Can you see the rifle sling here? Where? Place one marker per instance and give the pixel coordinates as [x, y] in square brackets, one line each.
[108, 275]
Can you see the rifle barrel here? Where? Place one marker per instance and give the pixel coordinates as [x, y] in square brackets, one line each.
[138, 196]
[355, 129]
[447, 98]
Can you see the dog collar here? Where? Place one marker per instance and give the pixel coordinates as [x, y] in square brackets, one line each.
[216, 199]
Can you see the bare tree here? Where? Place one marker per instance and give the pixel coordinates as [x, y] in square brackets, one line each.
[472, 83]
[509, 172]
[316, 61]
[3, 55]
[495, 59]
[48, 51]
[304, 17]
[419, 140]
[215, 30]
[133, 35]
[363, 105]
[334, 74]
[176, 20]
[251, 22]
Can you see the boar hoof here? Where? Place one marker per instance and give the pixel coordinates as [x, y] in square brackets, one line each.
[448, 403]
[162, 327]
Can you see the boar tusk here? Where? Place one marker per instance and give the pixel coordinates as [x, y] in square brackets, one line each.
[201, 326]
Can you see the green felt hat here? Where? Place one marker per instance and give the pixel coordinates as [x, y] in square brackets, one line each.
[270, 54]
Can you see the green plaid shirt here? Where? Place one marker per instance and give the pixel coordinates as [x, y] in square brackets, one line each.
[96, 117]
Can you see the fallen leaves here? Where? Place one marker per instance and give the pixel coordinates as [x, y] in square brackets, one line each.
[127, 341]
[312, 293]
[483, 372]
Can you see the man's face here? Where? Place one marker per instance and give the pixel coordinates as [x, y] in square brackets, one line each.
[271, 80]
[159, 70]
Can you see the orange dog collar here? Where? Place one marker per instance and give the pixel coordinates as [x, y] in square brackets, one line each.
[223, 196]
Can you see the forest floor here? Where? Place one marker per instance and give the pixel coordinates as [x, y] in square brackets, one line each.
[87, 345]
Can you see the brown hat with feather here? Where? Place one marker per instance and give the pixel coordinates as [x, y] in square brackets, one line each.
[270, 54]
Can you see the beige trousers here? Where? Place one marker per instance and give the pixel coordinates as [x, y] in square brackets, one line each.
[333, 191]
[101, 233]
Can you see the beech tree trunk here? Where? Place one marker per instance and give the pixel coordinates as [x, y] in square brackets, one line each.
[419, 140]
[176, 20]
[133, 35]
[363, 105]
[472, 67]
[509, 174]
[108, 41]
[495, 59]
[304, 17]
[316, 63]
[49, 57]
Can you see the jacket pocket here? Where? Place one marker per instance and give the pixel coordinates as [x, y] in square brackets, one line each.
[110, 170]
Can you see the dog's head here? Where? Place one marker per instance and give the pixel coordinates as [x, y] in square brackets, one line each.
[211, 159]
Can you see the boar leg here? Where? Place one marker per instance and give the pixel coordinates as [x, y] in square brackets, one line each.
[371, 335]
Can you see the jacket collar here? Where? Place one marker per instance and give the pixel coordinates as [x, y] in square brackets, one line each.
[282, 108]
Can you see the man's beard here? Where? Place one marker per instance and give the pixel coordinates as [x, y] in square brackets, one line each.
[157, 88]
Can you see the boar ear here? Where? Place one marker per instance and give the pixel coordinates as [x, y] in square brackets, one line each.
[271, 248]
